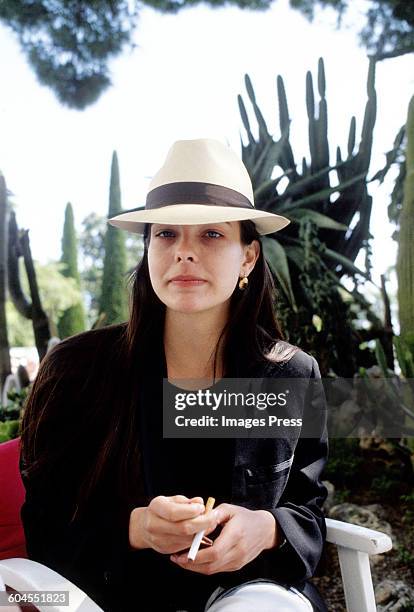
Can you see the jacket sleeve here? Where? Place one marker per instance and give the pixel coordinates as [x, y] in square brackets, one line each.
[299, 511]
[89, 550]
[86, 552]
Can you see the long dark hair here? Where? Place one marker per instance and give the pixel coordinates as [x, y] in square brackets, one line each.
[252, 326]
[136, 348]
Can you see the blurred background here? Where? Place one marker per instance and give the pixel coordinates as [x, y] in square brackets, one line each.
[317, 98]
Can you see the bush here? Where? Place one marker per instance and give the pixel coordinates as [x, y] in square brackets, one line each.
[344, 462]
[388, 484]
[408, 508]
[9, 430]
[10, 415]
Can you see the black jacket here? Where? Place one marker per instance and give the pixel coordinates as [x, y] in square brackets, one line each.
[279, 475]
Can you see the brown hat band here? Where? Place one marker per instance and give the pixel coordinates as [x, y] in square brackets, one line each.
[195, 193]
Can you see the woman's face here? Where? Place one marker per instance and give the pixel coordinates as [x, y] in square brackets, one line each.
[194, 268]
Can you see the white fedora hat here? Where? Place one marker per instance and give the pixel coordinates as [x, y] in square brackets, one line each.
[202, 181]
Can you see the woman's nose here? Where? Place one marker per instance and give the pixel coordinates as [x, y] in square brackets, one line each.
[185, 250]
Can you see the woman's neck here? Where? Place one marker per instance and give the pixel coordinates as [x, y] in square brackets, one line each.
[190, 342]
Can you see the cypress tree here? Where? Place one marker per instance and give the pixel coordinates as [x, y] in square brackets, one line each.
[114, 302]
[72, 320]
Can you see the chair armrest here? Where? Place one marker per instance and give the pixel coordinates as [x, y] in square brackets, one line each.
[28, 575]
[356, 537]
[355, 544]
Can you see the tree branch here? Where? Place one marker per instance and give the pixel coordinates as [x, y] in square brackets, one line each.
[378, 57]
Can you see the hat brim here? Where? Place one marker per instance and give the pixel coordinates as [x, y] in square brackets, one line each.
[198, 214]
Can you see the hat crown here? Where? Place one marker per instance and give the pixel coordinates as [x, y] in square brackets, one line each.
[204, 160]
[201, 181]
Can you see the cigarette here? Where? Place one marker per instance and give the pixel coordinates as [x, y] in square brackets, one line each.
[199, 536]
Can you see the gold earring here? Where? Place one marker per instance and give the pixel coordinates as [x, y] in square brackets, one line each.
[243, 283]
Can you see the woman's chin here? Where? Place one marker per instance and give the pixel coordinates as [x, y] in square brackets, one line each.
[188, 309]
[189, 306]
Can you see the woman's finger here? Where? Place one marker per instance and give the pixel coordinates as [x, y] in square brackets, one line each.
[206, 561]
[172, 510]
[197, 500]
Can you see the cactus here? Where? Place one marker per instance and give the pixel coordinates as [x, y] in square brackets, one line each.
[405, 259]
[310, 192]
[309, 281]
[397, 394]
[19, 246]
[5, 366]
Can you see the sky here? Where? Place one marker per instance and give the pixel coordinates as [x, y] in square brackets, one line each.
[182, 81]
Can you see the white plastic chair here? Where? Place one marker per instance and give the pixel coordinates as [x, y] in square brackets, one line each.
[355, 544]
[28, 575]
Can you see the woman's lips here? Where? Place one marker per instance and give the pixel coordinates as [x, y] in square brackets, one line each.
[187, 282]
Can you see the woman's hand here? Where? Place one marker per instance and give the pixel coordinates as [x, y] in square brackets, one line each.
[168, 524]
[245, 534]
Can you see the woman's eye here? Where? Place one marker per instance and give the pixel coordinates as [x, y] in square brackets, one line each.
[171, 234]
[165, 234]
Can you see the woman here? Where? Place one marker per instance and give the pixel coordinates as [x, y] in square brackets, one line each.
[113, 505]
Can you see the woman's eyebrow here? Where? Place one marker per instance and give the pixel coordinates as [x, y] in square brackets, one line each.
[218, 223]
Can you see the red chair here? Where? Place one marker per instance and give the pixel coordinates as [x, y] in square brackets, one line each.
[12, 539]
[17, 571]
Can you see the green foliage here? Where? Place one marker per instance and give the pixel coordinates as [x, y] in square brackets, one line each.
[28, 304]
[344, 462]
[405, 258]
[389, 27]
[72, 320]
[174, 6]
[388, 484]
[10, 415]
[58, 294]
[408, 499]
[381, 470]
[408, 511]
[68, 44]
[386, 399]
[69, 245]
[19, 329]
[329, 208]
[405, 357]
[9, 430]
[113, 301]
[400, 212]
[406, 558]
[92, 253]
[5, 365]
[14, 406]
[395, 158]
[342, 496]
